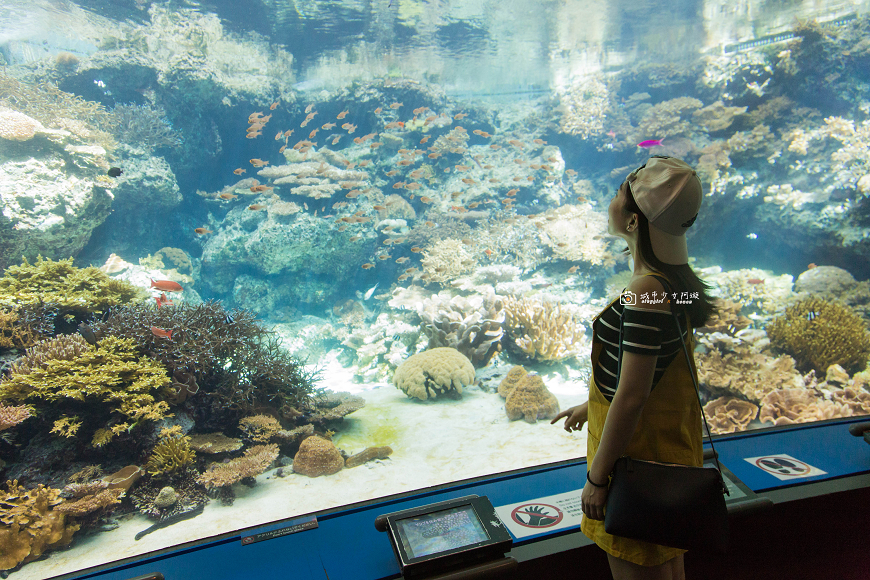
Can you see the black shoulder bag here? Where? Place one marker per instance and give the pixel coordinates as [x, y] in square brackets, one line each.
[668, 504]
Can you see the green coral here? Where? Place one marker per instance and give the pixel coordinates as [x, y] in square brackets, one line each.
[171, 454]
[100, 385]
[818, 333]
[73, 289]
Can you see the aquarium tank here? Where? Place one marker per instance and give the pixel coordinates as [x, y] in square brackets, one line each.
[265, 258]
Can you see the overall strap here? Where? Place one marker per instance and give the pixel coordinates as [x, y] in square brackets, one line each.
[667, 286]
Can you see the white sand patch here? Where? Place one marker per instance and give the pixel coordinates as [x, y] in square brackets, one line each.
[433, 442]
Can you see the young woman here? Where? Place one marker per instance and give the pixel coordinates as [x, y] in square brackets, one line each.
[653, 412]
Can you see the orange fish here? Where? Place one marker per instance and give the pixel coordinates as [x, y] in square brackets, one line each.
[571, 172]
[256, 207]
[281, 150]
[516, 143]
[379, 207]
[424, 139]
[253, 135]
[459, 116]
[327, 126]
[259, 162]
[420, 110]
[384, 257]
[378, 111]
[539, 142]
[399, 185]
[391, 172]
[572, 269]
[462, 167]
[434, 155]
[413, 185]
[239, 171]
[312, 134]
[254, 116]
[335, 139]
[488, 252]
[342, 115]
[375, 145]
[162, 300]
[367, 265]
[305, 122]
[160, 333]
[273, 106]
[396, 105]
[469, 181]
[755, 281]
[494, 146]
[402, 260]
[259, 188]
[309, 107]
[342, 227]
[288, 132]
[166, 285]
[228, 196]
[473, 204]
[404, 162]
[355, 238]
[278, 136]
[425, 199]
[203, 231]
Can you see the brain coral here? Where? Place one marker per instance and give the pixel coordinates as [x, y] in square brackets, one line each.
[317, 456]
[530, 400]
[434, 372]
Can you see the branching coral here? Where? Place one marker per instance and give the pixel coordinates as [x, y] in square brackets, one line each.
[584, 107]
[106, 384]
[12, 416]
[213, 443]
[446, 260]
[472, 325]
[144, 125]
[73, 289]
[171, 454]
[542, 331]
[852, 160]
[434, 372]
[231, 355]
[61, 347]
[255, 461]
[716, 117]
[668, 118]
[573, 232]
[23, 326]
[260, 428]
[29, 525]
[818, 333]
[89, 498]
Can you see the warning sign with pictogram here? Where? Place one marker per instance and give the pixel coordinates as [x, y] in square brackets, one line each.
[542, 515]
[784, 467]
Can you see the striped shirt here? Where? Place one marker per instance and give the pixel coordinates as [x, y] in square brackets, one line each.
[644, 331]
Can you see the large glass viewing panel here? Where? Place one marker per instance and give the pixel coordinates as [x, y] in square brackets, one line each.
[234, 234]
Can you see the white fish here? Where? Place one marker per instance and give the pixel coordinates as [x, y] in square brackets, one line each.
[370, 291]
[752, 236]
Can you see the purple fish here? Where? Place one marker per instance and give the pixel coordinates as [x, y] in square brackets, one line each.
[650, 143]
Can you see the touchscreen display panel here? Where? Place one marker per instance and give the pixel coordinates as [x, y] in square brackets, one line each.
[440, 531]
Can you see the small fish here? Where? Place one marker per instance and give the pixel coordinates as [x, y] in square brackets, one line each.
[473, 204]
[488, 252]
[752, 236]
[512, 192]
[254, 116]
[402, 260]
[312, 134]
[342, 227]
[160, 333]
[413, 186]
[402, 277]
[755, 281]
[424, 139]
[572, 269]
[810, 266]
[288, 132]
[273, 106]
[203, 231]
[384, 257]
[379, 207]
[370, 291]
[378, 111]
[811, 315]
[87, 333]
[253, 135]
[425, 199]
[239, 171]
[256, 207]
[258, 162]
[278, 136]
[114, 172]
[468, 181]
[355, 238]
[430, 224]
[228, 196]
[281, 150]
[342, 115]
[516, 143]
[416, 249]
[367, 265]
[166, 285]
[571, 172]
[327, 126]
[396, 105]
[462, 167]
[434, 155]
[459, 116]
[649, 143]
[467, 241]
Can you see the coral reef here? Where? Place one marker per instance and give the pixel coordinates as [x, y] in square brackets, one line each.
[472, 325]
[76, 290]
[123, 478]
[15, 126]
[584, 107]
[530, 400]
[729, 414]
[446, 260]
[230, 355]
[511, 380]
[29, 524]
[334, 406]
[751, 288]
[790, 406]
[542, 331]
[111, 384]
[745, 375]
[23, 326]
[166, 503]
[213, 443]
[434, 372]
[171, 454]
[716, 117]
[573, 232]
[87, 498]
[819, 333]
[368, 454]
[253, 462]
[144, 125]
[317, 456]
[260, 428]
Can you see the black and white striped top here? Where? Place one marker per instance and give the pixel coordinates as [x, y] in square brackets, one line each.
[644, 332]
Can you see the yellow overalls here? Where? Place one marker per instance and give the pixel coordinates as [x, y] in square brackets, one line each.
[669, 431]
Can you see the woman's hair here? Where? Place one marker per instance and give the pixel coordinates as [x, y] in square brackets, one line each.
[682, 277]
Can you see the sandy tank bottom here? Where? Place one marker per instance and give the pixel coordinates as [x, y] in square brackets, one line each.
[433, 442]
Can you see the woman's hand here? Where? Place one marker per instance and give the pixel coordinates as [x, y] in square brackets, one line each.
[592, 501]
[576, 416]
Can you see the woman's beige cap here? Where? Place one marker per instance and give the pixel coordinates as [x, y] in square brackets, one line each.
[668, 192]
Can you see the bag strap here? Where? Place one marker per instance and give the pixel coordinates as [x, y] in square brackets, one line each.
[667, 286]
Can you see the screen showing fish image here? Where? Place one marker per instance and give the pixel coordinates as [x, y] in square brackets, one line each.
[440, 531]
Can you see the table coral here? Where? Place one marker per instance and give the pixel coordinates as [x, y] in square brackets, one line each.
[253, 462]
[29, 525]
[213, 443]
[542, 331]
[530, 400]
[259, 428]
[317, 456]
[729, 414]
[819, 333]
[434, 372]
